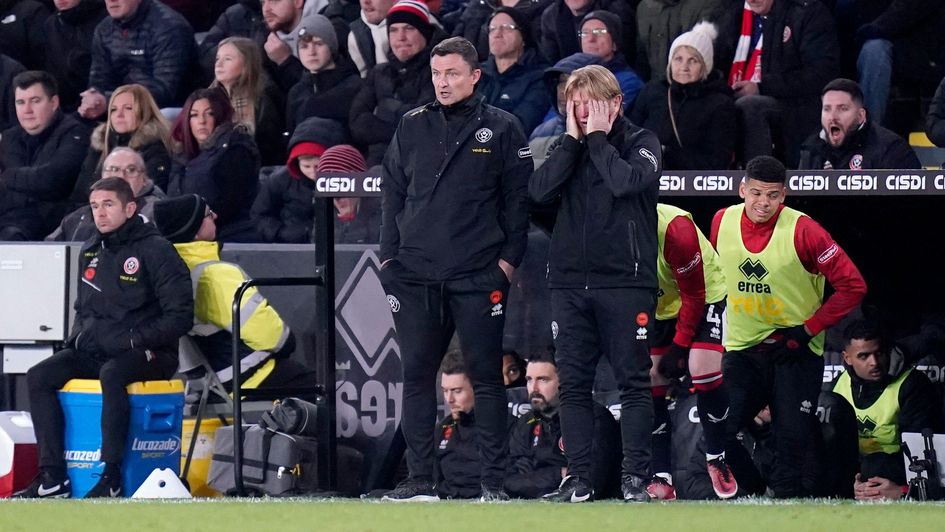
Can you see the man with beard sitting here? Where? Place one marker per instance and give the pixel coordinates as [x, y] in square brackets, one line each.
[537, 461]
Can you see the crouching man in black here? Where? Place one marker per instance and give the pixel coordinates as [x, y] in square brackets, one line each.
[456, 468]
[537, 461]
[134, 302]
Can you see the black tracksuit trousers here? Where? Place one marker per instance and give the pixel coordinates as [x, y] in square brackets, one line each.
[426, 313]
[46, 378]
[789, 382]
[613, 322]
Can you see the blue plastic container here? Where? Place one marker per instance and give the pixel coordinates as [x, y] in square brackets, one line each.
[154, 432]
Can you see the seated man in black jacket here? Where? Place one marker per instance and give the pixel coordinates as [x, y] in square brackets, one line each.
[456, 464]
[889, 398]
[39, 159]
[134, 301]
[536, 452]
[850, 139]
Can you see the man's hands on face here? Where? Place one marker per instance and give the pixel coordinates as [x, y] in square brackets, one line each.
[574, 130]
[875, 489]
[601, 115]
[277, 50]
[92, 105]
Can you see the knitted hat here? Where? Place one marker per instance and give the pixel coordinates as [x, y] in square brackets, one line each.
[342, 158]
[521, 22]
[319, 26]
[179, 219]
[699, 38]
[415, 13]
[611, 22]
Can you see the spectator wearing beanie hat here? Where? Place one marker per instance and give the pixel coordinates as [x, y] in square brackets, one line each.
[358, 220]
[513, 76]
[473, 23]
[403, 83]
[562, 20]
[283, 209]
[693, 111]
[330, 81]
[601, 35]
[181, 218]
[659, 22]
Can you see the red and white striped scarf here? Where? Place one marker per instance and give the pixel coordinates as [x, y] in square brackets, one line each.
[745, 67]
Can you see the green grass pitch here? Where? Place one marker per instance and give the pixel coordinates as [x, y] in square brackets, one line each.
[279, 515]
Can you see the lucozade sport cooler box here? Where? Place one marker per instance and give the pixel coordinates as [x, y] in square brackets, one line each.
[19, 457]
[154, 432]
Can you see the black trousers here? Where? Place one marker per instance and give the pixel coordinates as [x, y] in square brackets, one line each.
[426, 314]
[613, 322]
[788, 382]
[46, 378]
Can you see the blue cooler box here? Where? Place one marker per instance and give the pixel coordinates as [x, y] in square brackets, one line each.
[154, 432]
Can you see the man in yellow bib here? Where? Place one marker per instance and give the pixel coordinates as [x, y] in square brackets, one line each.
[886, 403]
[776, 261]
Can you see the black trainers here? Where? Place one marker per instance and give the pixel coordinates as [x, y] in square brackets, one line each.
[571, 489]
[633, 488]
[108, 487]
[493, 494]
[45, 486]
[413, 490]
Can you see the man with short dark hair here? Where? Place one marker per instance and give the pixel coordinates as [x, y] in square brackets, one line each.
[456, 468]
[123, 162]
[144, 42]
[455, 219]
[39, 159]
[849, 138]
[888, 399]
[537, 461]
[776, 261]
[134, 301]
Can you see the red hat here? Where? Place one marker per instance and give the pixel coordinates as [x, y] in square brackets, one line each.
[342, 158]
[302, 149]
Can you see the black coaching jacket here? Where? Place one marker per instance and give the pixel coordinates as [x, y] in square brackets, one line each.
[455, 197]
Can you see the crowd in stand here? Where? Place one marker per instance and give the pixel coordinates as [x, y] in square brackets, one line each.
[242, 112]
[719, 82]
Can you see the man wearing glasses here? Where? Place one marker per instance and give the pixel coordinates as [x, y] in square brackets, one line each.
[127, 164]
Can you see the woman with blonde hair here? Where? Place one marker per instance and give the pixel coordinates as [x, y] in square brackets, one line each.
[257, 103]
[135, 121]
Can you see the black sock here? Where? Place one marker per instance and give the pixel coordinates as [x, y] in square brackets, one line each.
[660, 461]
[113, 472]
[56, 473]
[713, 409]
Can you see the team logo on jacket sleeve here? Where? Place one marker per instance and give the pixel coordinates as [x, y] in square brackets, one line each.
[484, 135]
[648, 155]
[131, 265]
[393, 302]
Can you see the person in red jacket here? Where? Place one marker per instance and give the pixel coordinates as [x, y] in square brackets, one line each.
[776, 261]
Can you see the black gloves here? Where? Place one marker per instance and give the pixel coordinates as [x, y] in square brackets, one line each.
[675, 362]
[795, 337]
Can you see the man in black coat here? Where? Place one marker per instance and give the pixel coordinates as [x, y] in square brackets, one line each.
[141, 41]
[69, 47]
[134, 302]
[799, 52]
[537, 461]
[850, 139]
[456, 467]
[602, 274]
[21, 31]
[39, 160]
[561, 21]
[454, 228]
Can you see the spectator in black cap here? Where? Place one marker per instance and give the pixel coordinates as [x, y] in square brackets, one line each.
[601, 35]
[513, 74]
[562, 20]
[330, 81]
[473, 22]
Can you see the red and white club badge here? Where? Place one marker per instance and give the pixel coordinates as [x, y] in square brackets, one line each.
[131, 265]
